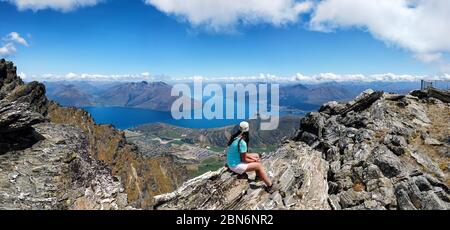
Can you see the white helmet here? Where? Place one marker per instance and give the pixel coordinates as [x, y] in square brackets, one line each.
[244, 126]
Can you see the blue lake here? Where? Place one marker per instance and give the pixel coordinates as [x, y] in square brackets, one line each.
[125, 118]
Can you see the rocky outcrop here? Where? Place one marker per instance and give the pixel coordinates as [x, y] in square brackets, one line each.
[57, 173]
[300, 172]
[142, 176]
[441, 95]
[379, 151]
[385, 151]
[45, 165]
[21, 106]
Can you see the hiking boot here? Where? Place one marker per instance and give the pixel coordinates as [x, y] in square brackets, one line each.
[243, 176]
[271, 189]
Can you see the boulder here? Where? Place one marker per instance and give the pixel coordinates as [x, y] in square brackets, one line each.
[332, 108]
[388, 163]
[313, 123]
[362, 102]
[57, 173]
[351, 198]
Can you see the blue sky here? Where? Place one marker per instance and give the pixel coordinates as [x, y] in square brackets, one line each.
[130, 37]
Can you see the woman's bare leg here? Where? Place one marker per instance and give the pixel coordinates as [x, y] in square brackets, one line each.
[259, 169]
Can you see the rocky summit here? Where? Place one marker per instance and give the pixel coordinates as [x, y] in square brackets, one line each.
[301, 172]
[379, 151]
[58, 158]
[45, 165]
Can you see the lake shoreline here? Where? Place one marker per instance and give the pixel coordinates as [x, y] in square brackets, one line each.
[128, 118]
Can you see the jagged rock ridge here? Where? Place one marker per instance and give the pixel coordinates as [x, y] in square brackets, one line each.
[301, 170]
[379, 151]
[45, 165]
[142, 177]
[58, 158]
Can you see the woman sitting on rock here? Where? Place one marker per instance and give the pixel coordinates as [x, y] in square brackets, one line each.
[238, 158]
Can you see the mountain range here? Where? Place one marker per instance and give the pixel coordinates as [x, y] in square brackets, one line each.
[378, 151]
[156, 95]
[70, 95]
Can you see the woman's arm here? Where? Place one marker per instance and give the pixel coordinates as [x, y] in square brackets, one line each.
[249, 158]
[245, 156]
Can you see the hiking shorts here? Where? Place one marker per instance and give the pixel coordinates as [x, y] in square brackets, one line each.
[240, 168]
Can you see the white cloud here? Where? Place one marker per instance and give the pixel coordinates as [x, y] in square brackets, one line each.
[9, 47]
[15, 37]
[420, 26]
[433, 57]
[23, 75]
[61, 5]
[387, 77]
[445, 67]
[145, 74]
[297, 78]
[92, 77]
[220, 15]
[7, 50]
[261, 77]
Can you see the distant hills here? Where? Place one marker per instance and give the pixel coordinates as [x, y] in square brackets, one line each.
[156, 95]
[70, 95]
[299, 96]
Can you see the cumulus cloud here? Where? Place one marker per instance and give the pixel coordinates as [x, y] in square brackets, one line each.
[387, 77]
[321, 78]
[23, 76]
[428, 58]
[270, 78]
[145, 74]
[8, 47]
[7, 50]
[258, 78]
[225, 14]
[61, 5]
[15, 37]
[92, 77]
[420, 26]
